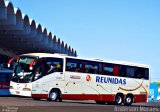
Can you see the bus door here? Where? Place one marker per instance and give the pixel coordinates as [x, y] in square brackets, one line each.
[48, 74]
[38, 74]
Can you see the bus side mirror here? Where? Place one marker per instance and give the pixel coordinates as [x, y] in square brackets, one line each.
[30, 68]
[10, 62]
[32, 63]
[8, 65]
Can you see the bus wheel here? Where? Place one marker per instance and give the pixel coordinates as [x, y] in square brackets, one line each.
[100, 102]
[128, 100]
[118, 99]
[54, 95]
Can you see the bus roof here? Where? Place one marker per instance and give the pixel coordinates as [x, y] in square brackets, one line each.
[36, 54]
[40, 55]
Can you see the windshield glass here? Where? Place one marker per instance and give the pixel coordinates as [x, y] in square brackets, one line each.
[22, 72]
[41, 67]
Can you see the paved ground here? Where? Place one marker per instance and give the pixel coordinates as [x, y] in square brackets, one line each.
[29, 105]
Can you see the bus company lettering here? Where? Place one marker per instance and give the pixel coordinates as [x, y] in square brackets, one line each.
[110, 80]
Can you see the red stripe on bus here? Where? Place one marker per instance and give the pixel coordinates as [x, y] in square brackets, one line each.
[102, 97]
[140, 98]
[79, 96]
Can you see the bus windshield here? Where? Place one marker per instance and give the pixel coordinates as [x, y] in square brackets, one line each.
[22, 72]
[41, 67]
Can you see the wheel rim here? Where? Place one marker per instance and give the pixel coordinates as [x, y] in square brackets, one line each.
[53, 95]
[119, 100]
[128, 100]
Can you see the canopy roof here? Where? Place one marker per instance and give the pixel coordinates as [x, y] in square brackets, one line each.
[19, 34]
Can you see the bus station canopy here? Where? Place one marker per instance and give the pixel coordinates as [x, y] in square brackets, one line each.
[19, 34]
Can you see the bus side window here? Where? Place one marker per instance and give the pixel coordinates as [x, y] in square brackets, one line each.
[91, 67]
[108, 69]
[58, 67]
[68, 67]
[74, 65]
[139, 73]
[87, 68]
[146, 73]
[54, 65]
[71, 66]
[122, 71]
[38, 73]
[78, 68]
[130, 72]
[100, 68]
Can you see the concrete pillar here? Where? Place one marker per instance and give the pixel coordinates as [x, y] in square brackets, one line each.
[3, 10]
[11, 17]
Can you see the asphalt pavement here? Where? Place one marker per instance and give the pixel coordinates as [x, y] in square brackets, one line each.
[22, 104]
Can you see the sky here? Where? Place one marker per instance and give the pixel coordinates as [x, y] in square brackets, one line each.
[124, 30]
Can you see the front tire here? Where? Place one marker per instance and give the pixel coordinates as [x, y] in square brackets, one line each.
[54, 95]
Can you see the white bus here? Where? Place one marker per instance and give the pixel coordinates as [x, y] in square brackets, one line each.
[55, 77]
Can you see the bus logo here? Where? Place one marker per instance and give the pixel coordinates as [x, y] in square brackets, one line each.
[88, 78]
